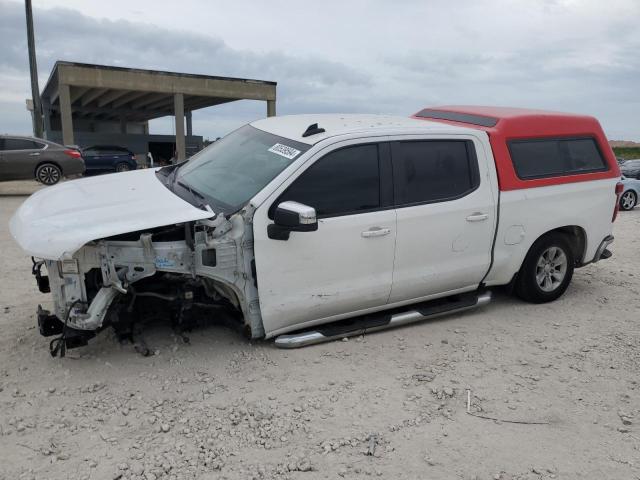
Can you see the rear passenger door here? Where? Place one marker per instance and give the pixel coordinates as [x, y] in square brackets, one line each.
[446, 216]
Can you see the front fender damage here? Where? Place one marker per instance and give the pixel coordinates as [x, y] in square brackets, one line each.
[189, 274]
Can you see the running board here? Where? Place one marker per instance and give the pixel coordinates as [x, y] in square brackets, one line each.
[384, 320]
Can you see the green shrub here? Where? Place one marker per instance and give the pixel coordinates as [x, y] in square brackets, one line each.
[627, 153]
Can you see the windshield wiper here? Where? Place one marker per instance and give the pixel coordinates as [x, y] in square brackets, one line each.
[195, 195]
[190, 189]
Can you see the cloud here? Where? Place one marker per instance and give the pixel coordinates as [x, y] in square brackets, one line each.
[373, 56]
[140, 45]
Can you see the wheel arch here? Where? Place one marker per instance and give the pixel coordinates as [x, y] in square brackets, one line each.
[52, 162]
[577, 237]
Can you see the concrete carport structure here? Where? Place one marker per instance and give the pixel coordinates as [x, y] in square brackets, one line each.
[87, 93]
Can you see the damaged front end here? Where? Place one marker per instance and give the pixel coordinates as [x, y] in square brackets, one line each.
[187, 273]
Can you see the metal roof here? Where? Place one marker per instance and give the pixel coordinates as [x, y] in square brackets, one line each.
[133, 94]
[293, 126]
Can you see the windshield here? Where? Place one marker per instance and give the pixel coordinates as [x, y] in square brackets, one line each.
[231, 171]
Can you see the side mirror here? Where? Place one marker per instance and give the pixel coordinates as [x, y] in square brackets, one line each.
[292, 217]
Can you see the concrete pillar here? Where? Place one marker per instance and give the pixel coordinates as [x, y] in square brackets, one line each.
[46, 115]
[189, 124]
[271, 108]
[65, 114]
[178, 111]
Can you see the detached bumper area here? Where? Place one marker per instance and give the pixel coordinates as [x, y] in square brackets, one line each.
[50, 325]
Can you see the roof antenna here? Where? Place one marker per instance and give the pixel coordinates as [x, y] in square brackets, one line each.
[312, 130]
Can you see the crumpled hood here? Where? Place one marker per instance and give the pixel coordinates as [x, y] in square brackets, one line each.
[56, 221]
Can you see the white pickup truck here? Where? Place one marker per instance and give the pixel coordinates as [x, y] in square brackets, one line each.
[328, 225]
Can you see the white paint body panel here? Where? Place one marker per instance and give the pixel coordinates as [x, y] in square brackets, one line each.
[354, 125]
[442, 246]
[56, 221]
[588, 205]
[333, 270]
[317, 275]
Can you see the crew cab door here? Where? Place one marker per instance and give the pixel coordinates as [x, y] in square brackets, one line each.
[446, 216]
[345, 265]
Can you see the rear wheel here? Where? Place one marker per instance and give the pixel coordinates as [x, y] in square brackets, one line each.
[628, 200]
[123, 167]
[48, 174]
[547, 269]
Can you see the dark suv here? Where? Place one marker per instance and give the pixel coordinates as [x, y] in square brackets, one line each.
[25, 158]
[108, 158]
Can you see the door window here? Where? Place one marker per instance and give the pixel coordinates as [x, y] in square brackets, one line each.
[21, 144]
[433, 170]
[343, 182]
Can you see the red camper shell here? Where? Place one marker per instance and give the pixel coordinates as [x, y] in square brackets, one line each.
[506, 126]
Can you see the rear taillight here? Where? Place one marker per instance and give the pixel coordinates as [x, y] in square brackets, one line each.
[619, 189]
[72, 153]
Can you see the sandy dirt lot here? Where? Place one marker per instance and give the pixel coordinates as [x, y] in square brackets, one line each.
[389, 405]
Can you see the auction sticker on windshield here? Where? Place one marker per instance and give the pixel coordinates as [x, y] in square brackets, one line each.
[284, 151]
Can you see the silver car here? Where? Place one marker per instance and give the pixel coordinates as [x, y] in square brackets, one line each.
[631, 169]
[25, 158]
[630, 193]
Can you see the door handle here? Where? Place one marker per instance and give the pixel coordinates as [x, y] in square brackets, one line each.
[376, 232]
[34, 154]
[477, 217]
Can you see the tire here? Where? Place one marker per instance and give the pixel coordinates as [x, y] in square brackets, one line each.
[628, 200]
[48, 174]
[123, 167]
[547, 269]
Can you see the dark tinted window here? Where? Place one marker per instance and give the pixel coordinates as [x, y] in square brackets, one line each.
[430, 171]
[114, 152]
[554, 157]
[106, 150]
[344, 181]
[21, 144]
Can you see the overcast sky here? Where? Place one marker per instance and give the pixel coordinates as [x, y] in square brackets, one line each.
[348, 55]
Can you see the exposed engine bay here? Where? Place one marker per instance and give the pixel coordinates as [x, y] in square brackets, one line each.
[185, 273]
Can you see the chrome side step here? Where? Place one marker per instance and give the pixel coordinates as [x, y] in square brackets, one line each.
[384, 320]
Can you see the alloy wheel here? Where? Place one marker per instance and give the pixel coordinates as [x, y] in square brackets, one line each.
[551, 269]
[628, 200]
[48, 175]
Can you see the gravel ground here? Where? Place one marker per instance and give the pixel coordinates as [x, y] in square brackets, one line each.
[389, 405]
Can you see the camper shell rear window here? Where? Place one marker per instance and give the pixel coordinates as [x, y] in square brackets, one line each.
[552, 157]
